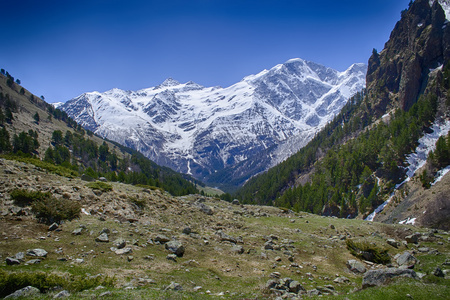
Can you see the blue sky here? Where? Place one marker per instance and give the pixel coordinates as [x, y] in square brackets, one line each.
[62, 48]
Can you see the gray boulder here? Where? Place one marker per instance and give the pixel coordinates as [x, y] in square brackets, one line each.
[37, 253]
[356, 266]
[123, 251]
[77, 231]
[383, 276]
[53, 227]
[102, 238]
[12, 261]
[120, 243]
[62, 294]
[407, 260]
[235, 202]
[413, 238]
[175, 247]
[162, 239]
[393, 243]
[28, 291]
[205, 208]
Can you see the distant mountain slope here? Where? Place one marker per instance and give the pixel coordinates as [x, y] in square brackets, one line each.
[201, 130]
[359, 160]
[29, 126]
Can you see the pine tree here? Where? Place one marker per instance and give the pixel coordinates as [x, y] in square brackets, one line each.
[36, 118]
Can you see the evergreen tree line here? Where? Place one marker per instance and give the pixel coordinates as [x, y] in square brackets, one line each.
[83, 155]
[344, 181]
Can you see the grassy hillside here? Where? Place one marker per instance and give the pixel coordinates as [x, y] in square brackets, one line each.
[230, 251]
[30, 128]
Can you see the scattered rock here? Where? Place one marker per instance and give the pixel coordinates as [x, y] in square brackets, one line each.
[162, 239]
[238, 249]
[413, 238]
[225, 237]
[187, 230]
[356, 266]
[393, 243]
[104, 294]
[53, 227]
[12, 261]
[20, 256]
[123, 251]
[37, 253]
[28, 291]
[174, 287]
[406, 260]
[120, 243]
[102, 238]
[175, 247]
[77, 231]
[205, 208]
[33, 261]
[341, 279]
[235, 202]
[438, 272]
[172, 257]
[382, 276]
[62, 294]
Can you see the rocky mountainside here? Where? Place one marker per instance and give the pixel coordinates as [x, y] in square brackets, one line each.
[378, 152]
[201, 130]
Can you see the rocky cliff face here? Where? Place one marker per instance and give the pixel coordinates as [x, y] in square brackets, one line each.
[419, 43]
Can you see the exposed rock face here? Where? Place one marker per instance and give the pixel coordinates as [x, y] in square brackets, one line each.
[382, 276]
[419, 43]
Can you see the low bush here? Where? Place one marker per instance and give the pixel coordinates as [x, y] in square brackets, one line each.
[367, 251]
[50, 210]
[12, 281]
[98, 185]
[24, 197]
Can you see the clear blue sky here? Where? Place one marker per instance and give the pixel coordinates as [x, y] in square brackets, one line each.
[62, 48]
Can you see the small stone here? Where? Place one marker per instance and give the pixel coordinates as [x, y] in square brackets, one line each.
[53, 227]
[104, 294]
[62, 294]
[235, 202]
[175, 247]
[123, 251]
[275, 275]
[187, 230]
[438, 272]
[172, 257]
[102, 238]
[413, 238]
[393, 243]
[162, 239]
[77, 231]
[79, 260]
[33, 261]
[238, 249]
[197, 288]
[341, 279]
[119, 243]
[174, 287]
[20, 256]
[130, 258]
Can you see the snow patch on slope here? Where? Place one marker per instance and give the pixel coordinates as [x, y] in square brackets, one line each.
[418, 158]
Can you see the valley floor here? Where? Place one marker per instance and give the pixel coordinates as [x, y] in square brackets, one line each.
[155, 246]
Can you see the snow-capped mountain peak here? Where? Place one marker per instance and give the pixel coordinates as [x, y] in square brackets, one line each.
[200, 130]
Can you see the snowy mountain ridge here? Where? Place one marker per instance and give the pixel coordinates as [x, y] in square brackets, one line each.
[200, 130]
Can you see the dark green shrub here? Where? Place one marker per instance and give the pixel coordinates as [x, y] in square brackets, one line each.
[10, 282]
[50, 210]
[365, 250]
[24, 197]
[141, 203]
[98, 185]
